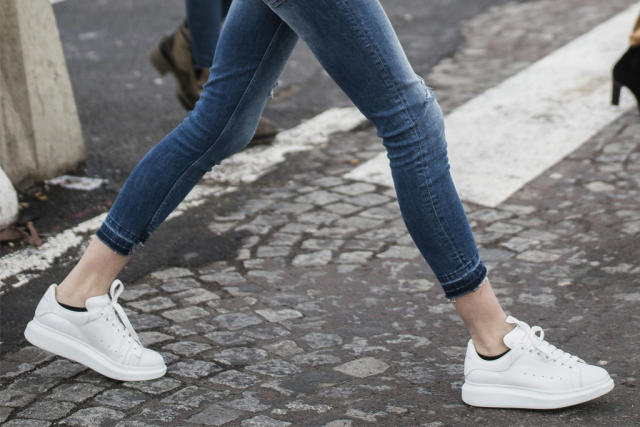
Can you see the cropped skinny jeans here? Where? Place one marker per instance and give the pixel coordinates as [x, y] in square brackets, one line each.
[356, 44]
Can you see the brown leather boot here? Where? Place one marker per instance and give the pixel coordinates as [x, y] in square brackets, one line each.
[173, 55]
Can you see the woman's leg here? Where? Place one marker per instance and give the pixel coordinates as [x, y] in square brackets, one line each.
[77, 320]
[255, 46]
[355, 42]
[357, 45]
[204, 19]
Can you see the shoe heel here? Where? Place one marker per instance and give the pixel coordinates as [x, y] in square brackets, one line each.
[159, 62]
[615, 97]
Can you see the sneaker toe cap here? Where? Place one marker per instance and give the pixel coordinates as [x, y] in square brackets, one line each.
[591, 374]
[151, 359]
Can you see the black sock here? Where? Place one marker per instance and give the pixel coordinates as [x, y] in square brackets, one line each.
[493, 357]
[72, 308]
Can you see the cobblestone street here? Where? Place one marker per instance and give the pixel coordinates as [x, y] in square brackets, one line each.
[327, 315]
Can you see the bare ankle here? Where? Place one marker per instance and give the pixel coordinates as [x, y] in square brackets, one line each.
[73, 299]
[485, 319]
[92, 276]
[491, 343]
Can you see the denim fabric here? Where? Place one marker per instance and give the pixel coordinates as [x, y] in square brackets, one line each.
[355, 43]
[204, 19]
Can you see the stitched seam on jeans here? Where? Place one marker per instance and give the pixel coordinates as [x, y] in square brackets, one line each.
[433, 202]
[115, 240]
[453, 294]
[119, 230]
[364, 35]
[151, 223]
[453, 276]
[276, 3]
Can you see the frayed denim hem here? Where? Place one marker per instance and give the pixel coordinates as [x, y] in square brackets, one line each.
[116, 239]
[469, 283]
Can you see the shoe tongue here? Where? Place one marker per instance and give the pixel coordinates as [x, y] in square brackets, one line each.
[96, 303]
[515, 336]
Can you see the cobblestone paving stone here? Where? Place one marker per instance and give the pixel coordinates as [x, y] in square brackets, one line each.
[328, 316]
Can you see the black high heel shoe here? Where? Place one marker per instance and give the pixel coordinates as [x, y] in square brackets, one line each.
[627, 73]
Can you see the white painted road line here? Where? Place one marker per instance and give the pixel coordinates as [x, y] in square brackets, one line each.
[249, 165]
[244, 167]
[510, 134]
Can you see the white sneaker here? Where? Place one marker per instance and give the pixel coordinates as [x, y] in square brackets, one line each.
[100, 338]
[532, 375]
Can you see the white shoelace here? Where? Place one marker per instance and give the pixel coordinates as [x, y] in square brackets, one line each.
[117, 287]
[549, 351]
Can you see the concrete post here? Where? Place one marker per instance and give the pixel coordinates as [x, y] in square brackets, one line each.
[8, 202]
[40, 134]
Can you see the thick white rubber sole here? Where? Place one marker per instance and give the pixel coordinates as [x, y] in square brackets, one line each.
[496, 396]
[67, 346]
